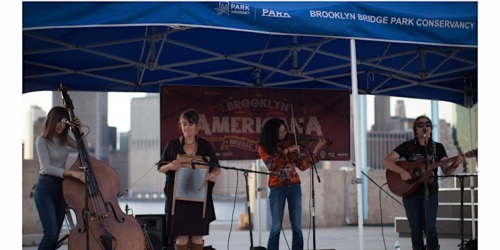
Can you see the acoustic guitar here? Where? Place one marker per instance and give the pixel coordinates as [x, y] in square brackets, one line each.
[417, 171]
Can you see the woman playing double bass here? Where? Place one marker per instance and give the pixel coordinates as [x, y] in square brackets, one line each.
[52, 147]
[101, 224]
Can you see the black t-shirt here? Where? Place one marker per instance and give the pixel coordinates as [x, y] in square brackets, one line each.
[412, 151]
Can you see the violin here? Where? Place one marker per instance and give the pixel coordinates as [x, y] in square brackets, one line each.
[302, 140]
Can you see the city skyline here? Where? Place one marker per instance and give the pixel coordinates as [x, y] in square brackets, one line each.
[143, 145]
[119, 108]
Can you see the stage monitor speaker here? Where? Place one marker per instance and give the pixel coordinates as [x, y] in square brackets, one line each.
[155, 228]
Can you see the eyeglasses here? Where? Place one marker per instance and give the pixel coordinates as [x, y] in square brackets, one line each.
[422, 124]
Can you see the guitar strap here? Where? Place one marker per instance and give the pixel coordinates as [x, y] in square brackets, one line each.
[434, 156]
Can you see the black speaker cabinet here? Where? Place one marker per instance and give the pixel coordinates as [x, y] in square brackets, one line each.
[155, 228]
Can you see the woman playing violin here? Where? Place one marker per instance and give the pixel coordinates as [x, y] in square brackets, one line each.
[285, 184]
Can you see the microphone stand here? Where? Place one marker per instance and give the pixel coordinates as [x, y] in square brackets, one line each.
[313, 168]
[84, 160]
[461, 178]
[245, 173]
[426, 188]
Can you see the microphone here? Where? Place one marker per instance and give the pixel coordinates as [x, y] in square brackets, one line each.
[425, 132]
[121, 193]
[69, 122]
[193, 164]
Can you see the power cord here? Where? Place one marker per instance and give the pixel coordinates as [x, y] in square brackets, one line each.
[232, 214]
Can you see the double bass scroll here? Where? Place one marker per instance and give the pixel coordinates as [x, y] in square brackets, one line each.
[101, 224]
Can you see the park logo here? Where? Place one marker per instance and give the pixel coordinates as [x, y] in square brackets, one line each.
[233, 8]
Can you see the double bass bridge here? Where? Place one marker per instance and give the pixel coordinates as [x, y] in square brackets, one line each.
[97, 216]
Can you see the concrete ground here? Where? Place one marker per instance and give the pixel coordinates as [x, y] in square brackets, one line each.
[339, 238]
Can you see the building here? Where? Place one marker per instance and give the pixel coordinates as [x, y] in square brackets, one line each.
[92, 109]
[382, 139]
[144, 148]
[37, 130]
[36, 117]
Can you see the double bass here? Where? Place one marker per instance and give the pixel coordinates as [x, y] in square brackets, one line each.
[101, 224]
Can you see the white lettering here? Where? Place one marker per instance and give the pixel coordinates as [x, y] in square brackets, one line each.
[263, 103]
[402, 21]
[373, 19]
[253, 125]
[332, 14]
[445, 24]
[203, 125]
[240, 7]
[273, 13]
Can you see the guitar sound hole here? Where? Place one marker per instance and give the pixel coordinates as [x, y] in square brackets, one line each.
[416, 175]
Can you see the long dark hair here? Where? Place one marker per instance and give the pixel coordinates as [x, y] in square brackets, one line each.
[269, 138]
[429, 146]
[55, 115]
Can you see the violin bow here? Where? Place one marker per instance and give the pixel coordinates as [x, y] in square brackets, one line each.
[293, 126]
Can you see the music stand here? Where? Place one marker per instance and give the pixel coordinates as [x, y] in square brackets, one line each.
[461, 178]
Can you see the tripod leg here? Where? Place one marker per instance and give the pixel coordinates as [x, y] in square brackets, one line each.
[69, 225]
[61, 241]
[248, 210]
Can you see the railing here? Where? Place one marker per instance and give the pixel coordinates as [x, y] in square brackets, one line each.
[381, 143]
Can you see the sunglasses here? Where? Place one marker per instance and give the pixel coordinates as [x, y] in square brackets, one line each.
[422, 124]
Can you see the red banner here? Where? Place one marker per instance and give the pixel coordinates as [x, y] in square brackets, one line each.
[231, 118]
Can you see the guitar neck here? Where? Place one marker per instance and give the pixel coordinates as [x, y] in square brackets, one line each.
[443, 162]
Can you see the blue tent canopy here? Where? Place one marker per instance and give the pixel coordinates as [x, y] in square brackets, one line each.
[425, 50]
[422, 50]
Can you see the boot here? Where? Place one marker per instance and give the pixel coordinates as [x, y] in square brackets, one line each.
[435, 248]
[195, 246]
[181, 247]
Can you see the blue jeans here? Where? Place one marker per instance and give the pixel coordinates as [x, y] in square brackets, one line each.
[51, 208]
[277, 197]
[415, 211]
